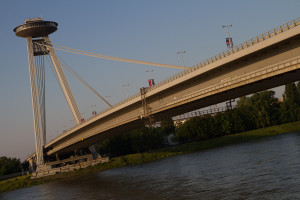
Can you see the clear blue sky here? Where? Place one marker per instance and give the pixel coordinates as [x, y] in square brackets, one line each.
[137, 29]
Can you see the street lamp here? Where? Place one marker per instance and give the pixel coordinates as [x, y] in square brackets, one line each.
[126, 89]
[150, 80]
[93, 110]
[149, 71]
[82, 119]
[229, 41]
[182, 52]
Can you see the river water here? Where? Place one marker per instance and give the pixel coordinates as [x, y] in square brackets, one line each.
[268, 168]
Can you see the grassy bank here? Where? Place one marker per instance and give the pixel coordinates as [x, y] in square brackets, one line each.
[135, 159]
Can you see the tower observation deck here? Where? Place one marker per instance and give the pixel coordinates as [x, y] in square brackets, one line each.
[35, 27]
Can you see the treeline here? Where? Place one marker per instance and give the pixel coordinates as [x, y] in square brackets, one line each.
[137, 141]
[260, 110]
[9, 165]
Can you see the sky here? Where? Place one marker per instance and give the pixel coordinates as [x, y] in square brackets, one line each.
[153, 30]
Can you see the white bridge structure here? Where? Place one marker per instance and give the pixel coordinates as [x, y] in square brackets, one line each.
[263, 62]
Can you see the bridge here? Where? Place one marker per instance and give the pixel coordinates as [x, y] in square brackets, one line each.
[268, 60]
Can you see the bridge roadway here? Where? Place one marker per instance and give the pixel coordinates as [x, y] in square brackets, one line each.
[266, 61]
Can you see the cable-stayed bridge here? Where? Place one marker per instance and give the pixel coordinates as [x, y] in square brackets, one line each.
[266, 61]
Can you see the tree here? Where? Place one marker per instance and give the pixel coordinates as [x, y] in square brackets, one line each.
[222, 124]
[298, 89]
[291, 94]
[290, 107]
[167, 127]
[246, 112]
[188, 130]
[238, 121]
[9, 165]
[265, 107]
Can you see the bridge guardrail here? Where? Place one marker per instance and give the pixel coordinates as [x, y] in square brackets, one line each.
[251, 42]
[199, 113]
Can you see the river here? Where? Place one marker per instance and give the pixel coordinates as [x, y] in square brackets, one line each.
[268, 168]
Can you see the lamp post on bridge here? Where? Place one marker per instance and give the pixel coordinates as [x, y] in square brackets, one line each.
[149, 71]
[150, 80]
[229, 39]
[182, 52]
[127, 85]
[93, 111]
[82, 119]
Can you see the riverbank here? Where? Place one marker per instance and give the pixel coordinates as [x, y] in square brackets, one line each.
[135, 159]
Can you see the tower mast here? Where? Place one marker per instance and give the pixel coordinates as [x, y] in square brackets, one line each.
[37, 28]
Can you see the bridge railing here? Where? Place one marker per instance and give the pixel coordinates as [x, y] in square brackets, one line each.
[199, 113]
[251, 42]
[244, 45]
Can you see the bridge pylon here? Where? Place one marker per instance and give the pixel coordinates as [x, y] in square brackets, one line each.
[38, 28]
[149, 120]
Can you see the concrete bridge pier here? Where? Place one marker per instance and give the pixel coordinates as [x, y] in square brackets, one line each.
[94, 152]
[31, 165]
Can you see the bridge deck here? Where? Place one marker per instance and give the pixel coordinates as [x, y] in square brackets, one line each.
[266, 61]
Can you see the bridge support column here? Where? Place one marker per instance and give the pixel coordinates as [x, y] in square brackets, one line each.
[31, 165]
[64, 83]
[35, 104]
[94, 152]
[148, 118]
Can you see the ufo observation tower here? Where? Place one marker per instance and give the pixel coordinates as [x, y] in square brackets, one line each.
[37, 48]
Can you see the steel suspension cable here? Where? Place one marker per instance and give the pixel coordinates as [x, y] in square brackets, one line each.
[73, 73]
[51, 66]
[40, 78]
[86, 53]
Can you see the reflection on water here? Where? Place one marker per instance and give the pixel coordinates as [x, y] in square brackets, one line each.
[264, 169]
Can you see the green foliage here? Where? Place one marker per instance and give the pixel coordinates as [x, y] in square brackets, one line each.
[290, 107]
[167, 127]
[137, 141]
[9, 165]
[265, 107]
[298, 89]
[246, 111]
[261, 110]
